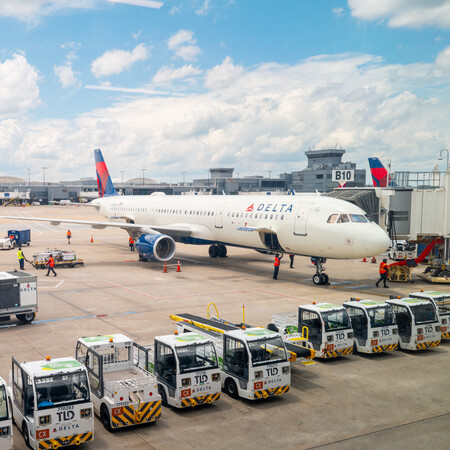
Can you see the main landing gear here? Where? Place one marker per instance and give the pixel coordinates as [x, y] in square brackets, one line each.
[217, 250]
[319, 277]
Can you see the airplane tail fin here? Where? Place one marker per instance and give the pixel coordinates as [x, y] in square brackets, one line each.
[104, 182]
[380, 176]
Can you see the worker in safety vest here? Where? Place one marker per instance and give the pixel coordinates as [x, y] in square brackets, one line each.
[276, 265]
[11, 238]
[21, 257]
[131, 241]
[69, 235]
[51, 265]
[383, 273]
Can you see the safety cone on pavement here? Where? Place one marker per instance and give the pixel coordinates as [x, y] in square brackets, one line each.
[178, 266]
[364, 260]
[165, 267]
[374, 260]
[92, 238]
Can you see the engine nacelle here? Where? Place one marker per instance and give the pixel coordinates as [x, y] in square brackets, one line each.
[156, 247]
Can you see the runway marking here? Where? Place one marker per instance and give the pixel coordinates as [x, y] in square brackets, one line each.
[131, 290]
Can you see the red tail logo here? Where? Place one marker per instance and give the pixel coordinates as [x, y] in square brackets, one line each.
[250, 208]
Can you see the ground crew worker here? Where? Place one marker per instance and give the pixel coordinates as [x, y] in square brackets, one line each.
[383, 273]
[21, 257]
[131, 241]
[291, 257]
[11, 238]
[69, 235]
[276, 265]
[51, 265]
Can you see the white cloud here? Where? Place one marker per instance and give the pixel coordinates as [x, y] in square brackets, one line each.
[168, 74]
[204, 8]
[19, 89]
[338, 11]
[116, 61]
[143, 3]
[183, 45]
[443, 61]
[255, 119]
[404, 13]
[66, 75]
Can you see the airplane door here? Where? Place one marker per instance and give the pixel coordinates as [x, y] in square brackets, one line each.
[301, 218]
[219, 217]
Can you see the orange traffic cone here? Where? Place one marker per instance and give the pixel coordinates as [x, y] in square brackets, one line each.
[165, 267]
[92, 238]
[178, 266]
[364, 260]
[374, 260]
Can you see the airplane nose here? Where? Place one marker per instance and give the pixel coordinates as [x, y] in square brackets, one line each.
[377, 241]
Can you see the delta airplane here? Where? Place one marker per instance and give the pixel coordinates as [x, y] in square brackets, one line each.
[306, 225]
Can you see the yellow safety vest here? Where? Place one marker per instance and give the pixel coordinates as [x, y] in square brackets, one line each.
[20, 254]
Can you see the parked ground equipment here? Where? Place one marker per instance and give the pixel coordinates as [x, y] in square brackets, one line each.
[441, 300]
[374, 327]
[124, 393]
[18, 296]
[253, 361]
[21, 237]
[418, 324]
[51, 402]
[63, 258]
[187, 369]
[325, 328]
[400, 251]
[6, 429]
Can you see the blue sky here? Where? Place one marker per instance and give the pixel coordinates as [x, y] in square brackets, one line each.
[186, 85]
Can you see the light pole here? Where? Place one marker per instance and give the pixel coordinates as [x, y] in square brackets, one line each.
[122, 171]
[44, 168]
[29, 179]
[441, 157]
[184, 175]
[143, 170]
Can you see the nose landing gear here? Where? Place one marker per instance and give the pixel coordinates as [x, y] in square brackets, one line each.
[320, 277]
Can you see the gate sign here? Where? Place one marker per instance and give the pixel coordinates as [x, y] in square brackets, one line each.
[343, 176]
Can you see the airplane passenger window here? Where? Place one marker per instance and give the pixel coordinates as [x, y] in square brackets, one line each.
[232, 215]
[359, 218]
[282, 217]
[267, 215]
[332, 218]
[276, 217]
[343, 218]
[256, 216]
[246, 214]
[228, 215]
[212, 213]
[271, 216]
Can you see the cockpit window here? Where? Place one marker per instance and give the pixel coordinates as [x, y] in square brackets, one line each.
[359, 218]
[343, 218]
[332, 218]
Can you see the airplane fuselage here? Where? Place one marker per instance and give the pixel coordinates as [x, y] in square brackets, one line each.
[300, 223]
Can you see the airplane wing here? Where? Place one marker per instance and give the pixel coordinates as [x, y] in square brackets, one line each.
[172, 230]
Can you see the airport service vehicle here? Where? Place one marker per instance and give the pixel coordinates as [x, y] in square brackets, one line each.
[62, 258]
[6, 429]
[253, 361]
[18, 296]
[307, 224]
[374, 327]
[21, 237]
[123, 393]
[186, 368]
[418, 324]
[401, 250]
[51, 403]
[325, 328]
[6, 243]
[441, 300]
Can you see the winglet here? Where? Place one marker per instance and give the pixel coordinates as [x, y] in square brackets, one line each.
[104, 182]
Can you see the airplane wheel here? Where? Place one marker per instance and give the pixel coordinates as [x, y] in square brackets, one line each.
[222, 251]
[213, 251]
[325, 276]
[318, 279]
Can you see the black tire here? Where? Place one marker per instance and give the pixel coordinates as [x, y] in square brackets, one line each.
[231, 388]
[325, 277]
[104, 416]
[71, 266]
[26, 318]
[28, 244]
[318, 279]
[222, 251]
[213, 251]
[162, 393]
[26, 434]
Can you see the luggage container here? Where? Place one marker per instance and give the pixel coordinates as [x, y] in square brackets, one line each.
[6, 429]
[51, 402]
[442, 302]
[374, 327]
[21, 237]
[418, 323]
[18, 296]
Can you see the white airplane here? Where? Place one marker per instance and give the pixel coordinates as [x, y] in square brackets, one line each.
[307, 225]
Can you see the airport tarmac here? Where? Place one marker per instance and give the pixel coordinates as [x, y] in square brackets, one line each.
[395, 400]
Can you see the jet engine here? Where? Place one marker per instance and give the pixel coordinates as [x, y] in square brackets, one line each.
[155, 247]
